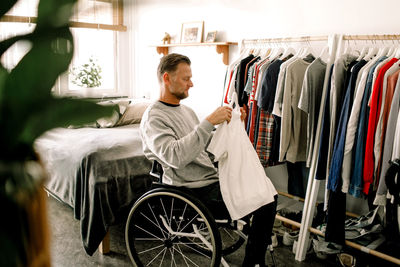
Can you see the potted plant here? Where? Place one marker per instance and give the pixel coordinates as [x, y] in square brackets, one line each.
[87, 75]
[28, 109]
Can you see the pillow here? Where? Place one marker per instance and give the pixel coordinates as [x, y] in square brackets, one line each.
[133, 113]
[107, 122]
[122, 104]
[120, 107]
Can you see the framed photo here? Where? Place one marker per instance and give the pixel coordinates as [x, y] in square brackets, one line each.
[192, 32]
[210, 37]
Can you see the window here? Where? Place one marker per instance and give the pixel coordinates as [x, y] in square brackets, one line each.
[95, 25]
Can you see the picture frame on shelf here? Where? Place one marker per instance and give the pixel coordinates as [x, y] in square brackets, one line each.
[192, 32]
[211, 36]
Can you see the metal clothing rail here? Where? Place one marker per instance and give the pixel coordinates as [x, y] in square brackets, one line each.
[313, 184]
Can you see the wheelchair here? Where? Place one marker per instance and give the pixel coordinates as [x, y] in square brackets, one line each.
[168, 226]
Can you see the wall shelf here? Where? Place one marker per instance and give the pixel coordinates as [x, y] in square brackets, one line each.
[221, 48]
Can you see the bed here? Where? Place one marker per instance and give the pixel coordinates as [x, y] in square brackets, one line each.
[99, 172]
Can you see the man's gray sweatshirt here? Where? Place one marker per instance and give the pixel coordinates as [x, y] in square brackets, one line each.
[174, 137]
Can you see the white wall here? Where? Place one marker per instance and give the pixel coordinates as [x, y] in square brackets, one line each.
[235, 20]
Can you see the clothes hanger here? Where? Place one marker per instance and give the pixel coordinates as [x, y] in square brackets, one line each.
[256, 52]
[371, 54]
[287, 52]
[348, 49]
[277, 53]
[268, 51]
[397, 53]
[306, 51]
[363, 53]
[299, 52]
[324, 53]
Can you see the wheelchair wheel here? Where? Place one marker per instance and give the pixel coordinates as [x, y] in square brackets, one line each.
[167, 227]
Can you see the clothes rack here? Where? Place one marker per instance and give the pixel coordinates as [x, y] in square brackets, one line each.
[313, 184]
[332, 45]
[255, 43]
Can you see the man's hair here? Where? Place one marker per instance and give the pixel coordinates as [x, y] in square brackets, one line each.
[169, 63]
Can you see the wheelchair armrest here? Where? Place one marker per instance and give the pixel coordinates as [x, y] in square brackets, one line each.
[157, 171]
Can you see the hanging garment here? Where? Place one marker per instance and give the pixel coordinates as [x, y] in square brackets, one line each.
[266, 121]
[310, 100]
[293, 144]
[241, 79]
[375, 105]
[297, 178]
[387, 94]
[244, 184]
[335, 171]
[339, 80]
[336, 216]
[353, 122]
[356, 177]
[254, 126]
[380, 198]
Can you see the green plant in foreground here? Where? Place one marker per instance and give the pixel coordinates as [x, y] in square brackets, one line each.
[87, 75]
[27, 107]
[27, 110]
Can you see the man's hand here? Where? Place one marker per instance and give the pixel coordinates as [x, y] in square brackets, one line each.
[242, 113]
[220, 115]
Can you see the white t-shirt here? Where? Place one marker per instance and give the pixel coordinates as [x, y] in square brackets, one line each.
[244, 185]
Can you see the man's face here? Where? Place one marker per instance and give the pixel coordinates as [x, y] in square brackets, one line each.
[180, 81]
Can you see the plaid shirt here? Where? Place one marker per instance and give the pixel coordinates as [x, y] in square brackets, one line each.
[265, 133]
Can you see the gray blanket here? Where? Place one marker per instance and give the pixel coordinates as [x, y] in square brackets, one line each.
[98, 172]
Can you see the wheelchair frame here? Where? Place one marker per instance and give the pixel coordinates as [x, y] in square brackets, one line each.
[180, 223]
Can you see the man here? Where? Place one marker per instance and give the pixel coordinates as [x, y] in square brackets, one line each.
[173, 135]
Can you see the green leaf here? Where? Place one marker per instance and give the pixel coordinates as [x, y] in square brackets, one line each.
[30, 82]
[61, 113]
[54, 13]
[6, 5]
[5, 44]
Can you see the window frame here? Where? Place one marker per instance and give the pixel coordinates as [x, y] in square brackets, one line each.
[61, 87]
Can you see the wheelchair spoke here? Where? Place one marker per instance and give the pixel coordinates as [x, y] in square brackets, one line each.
[182, 216]
[185, 258]
[144, 230]
[165, 212]
[189, 222]
[172, 256]
[172, 208]
[150, 249]
[156, 224]
[163, 256]
[156, 256]
[147, 239]
[195, 250]
[155, 218]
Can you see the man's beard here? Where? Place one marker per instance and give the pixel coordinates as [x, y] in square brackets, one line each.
[180, 96]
